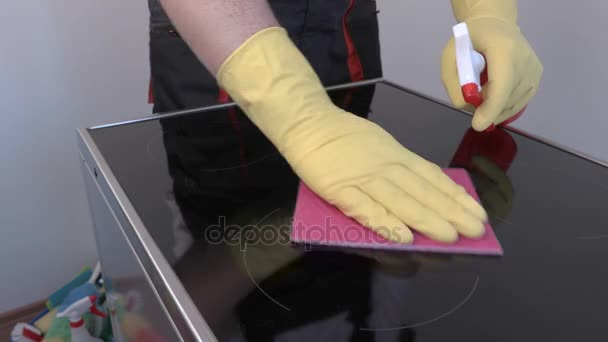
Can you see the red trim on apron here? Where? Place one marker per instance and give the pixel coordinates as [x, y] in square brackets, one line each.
[355, 68]
[150, 93]
[223, 97]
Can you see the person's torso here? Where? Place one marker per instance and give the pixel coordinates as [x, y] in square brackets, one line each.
[320, 14]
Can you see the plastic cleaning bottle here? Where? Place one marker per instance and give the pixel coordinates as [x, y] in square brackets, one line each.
[471, 65]
[473, 71]
[24, 332]
[74, 313]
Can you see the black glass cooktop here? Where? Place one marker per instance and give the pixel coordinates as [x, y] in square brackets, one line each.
[208, 186]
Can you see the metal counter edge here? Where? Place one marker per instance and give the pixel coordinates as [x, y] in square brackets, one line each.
[363, 83]
[169, 290]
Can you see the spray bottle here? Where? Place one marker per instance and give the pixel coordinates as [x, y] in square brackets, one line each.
[472, 70]
[471, 65]
[74, 312]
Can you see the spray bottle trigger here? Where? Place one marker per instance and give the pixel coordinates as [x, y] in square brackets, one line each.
[94, 309]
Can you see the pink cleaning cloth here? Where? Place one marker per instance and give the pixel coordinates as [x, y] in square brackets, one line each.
[317, 222]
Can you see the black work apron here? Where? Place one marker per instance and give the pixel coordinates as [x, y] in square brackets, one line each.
[338, 37]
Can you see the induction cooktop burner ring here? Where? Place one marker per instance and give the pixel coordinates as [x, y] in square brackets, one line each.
[593, 237]
[261, 159]
[451, 311]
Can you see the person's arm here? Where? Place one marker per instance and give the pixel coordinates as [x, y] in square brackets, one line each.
[349, 161]
[213, 29]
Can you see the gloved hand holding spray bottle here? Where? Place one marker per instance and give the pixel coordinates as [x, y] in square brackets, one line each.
[472, 71]
[488, 63]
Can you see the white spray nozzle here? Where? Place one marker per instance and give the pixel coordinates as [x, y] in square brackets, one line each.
[470, 63]
[75, 310]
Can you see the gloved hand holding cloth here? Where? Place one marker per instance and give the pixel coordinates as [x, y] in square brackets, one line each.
[513, 68]
[349, 161]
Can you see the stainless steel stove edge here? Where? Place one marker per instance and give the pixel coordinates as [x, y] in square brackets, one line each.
[170, 293]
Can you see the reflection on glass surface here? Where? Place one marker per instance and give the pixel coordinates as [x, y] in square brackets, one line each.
[209, 186]
[488, 156]
[134, 313]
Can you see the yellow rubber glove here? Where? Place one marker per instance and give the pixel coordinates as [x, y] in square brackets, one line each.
[349, 161]
[514, 70]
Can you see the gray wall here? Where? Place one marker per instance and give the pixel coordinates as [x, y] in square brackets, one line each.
[64, 64]
[568, 36]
